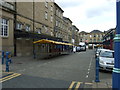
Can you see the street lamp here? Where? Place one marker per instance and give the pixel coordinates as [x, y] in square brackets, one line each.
[116, 70]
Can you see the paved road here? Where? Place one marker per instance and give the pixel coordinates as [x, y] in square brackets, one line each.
[75, 70]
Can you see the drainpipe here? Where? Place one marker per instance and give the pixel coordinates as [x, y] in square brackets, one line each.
[33, 27]
[15, 28]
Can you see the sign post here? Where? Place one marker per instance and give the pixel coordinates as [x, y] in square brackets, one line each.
[116, 70]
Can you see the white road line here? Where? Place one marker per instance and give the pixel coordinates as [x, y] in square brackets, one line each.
[87, 76]
[89, 68]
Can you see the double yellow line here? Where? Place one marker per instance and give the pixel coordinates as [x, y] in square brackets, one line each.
[9, 77]
[73, 83]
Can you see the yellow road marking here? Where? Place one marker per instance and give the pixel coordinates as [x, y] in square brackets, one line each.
[71, 85]
[9, 77]
[77, 86]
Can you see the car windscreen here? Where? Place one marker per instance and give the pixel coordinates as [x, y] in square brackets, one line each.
[107, 54]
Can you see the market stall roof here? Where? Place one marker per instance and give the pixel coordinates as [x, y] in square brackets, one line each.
[51, 41]
[44, 41]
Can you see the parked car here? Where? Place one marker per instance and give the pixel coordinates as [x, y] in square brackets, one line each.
[82, 46]
[106, 59]
[97, 52]
[78, 49]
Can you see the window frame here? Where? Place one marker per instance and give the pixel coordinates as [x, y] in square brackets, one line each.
[2, 31]
[46, 4]
[51, 18]
[29, 28]
[20, 24]
[46, 15]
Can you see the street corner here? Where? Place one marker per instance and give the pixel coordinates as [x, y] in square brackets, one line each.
[8, 75]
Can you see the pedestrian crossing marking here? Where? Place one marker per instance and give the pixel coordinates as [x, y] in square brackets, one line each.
[9, 77]
[76, 85]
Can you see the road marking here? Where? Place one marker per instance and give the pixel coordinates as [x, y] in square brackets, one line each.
[89, 68]
[9, 77]
[89, 83]
[87, 76]
[70, 88]
[73, 83]
[77, 86]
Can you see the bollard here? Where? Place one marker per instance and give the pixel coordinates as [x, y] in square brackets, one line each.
[97, 70]
[2, 57]
[7, 61]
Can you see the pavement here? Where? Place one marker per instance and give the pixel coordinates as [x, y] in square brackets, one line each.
[104, 83]
[19, 62]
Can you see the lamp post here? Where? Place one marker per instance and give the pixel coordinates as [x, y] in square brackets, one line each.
[116, 70]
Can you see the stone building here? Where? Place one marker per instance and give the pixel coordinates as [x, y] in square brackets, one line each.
[58, 21]
[7, 11]
[75, 35]
[94, 37]
[68, 28]
[22, 23]
[34, 18]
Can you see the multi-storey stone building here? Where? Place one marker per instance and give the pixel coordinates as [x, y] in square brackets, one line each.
[58, 21]
[25, 22]
[7, 11]
[68, 28]
[94, 37]
[75, 35]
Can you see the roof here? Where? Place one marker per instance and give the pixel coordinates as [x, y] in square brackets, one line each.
[65, 18]
[106, 50]
[83, 32]
[51, 41]
[58, 6]
[75, 27]
[96, 31]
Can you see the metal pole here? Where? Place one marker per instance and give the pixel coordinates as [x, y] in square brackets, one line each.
[2, 57]
[7, 60]
[97, 70]
[116, 70]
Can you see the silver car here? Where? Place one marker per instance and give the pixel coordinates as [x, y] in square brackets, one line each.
[106, 60]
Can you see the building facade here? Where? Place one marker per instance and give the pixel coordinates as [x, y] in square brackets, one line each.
[94, 37]
[25, 22]
[7, 11]
[108, 39]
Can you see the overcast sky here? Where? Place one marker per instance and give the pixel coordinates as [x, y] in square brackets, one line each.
[89, 15]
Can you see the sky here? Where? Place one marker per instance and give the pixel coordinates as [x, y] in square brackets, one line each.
[90, 15]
